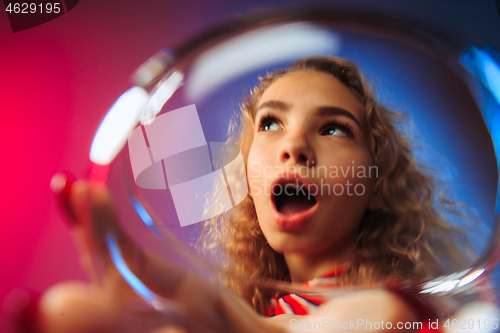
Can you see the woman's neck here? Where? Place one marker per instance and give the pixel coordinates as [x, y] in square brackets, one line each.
[305, 267]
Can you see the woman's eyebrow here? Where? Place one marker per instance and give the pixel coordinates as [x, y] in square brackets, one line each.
[326, 111]
[278, 105]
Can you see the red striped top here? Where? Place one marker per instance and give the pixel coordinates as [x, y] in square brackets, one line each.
[304, 304]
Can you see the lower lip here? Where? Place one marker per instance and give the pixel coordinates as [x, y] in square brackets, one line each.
[294, 221]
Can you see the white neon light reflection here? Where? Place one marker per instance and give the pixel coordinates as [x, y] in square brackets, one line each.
[127, 274]
[116, 126]
[471, 277]
[456, 280]
[162, 94]
[442, 287]
[245, 54]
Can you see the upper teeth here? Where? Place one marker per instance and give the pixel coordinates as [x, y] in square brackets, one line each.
[292, 185]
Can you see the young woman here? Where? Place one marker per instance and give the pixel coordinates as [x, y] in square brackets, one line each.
[335, 198]
[317, 124]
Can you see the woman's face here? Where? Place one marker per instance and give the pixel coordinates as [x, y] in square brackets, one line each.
[310, 169]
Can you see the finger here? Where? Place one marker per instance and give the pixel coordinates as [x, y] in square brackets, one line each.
[75, 307]
[78, 308]
[79, 203]
[89, 236]
[61, 184]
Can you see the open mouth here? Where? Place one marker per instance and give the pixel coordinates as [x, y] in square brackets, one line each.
[292, 198]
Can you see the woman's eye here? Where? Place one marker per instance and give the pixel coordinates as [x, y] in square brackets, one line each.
[334, 131]
[337, 130]
[270, 125]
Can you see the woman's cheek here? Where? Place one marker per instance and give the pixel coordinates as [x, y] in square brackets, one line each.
[255, 189]
[349, 178]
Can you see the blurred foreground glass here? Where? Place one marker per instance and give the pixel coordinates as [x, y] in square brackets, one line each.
[158, 147]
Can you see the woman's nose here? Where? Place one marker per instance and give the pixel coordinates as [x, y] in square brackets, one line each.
[296, 149]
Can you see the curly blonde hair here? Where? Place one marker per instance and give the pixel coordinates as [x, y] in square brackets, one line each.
[408, 237]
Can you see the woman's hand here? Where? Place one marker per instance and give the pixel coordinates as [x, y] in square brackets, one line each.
[110, 305]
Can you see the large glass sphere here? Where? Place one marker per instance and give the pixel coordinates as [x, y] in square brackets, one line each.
[173, 167]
